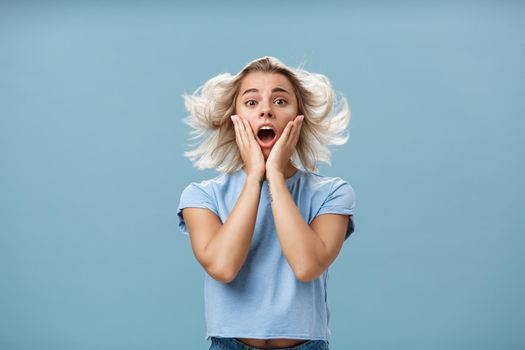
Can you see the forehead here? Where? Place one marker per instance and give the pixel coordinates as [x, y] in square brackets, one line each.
[262, 81]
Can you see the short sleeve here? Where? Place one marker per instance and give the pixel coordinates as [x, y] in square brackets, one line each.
[194, 196]
[340, 200]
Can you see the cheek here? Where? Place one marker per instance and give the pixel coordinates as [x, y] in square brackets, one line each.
[250, 121]
[244, 113]
[289, 113]
[289, 119]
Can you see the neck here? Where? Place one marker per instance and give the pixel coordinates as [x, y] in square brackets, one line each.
[290, 171]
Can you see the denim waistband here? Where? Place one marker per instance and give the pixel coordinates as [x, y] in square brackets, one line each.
[234, 344]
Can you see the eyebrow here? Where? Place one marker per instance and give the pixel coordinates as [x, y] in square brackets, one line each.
[277, 89]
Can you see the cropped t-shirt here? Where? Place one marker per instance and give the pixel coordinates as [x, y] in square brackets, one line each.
[266, 300]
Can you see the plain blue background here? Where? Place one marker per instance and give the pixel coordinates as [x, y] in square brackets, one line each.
[92, 167]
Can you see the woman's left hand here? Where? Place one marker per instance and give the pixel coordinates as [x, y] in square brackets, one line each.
[284, 147]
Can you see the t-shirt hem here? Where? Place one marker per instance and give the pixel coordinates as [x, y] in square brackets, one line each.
[266, 336]
[335, 210]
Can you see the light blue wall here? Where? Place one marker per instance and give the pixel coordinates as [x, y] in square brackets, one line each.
[92, 167]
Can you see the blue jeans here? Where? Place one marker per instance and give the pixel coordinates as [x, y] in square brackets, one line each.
[234, 344]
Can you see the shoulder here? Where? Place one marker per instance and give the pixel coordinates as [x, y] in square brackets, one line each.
[334, 195]
[201, 194]
[326, 184]
[212, 187]
[329, 194]
[208, 184]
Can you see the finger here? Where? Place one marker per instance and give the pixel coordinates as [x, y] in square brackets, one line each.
[286, 132]
[293, 131]
[238, 134]
[296, 130]
[235, 127]
[248, 130]
[232, 117]
[242, 129]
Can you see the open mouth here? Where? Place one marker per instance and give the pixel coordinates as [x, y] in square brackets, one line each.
[266, 136]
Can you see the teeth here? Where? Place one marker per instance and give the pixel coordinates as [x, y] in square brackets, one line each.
[266, 128]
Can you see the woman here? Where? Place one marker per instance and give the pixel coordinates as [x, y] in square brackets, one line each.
[265, 231]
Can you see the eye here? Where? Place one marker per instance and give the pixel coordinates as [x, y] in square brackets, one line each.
[250, 104]
[282, 100]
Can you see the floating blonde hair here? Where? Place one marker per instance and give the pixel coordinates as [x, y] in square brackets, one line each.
[211, 105]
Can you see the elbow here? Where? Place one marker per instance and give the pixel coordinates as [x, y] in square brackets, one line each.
[308, 274]
[221, 275]
[218, 272]
[305, 277]
[227, 278]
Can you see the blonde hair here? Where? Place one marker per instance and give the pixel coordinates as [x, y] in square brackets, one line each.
[211, 105]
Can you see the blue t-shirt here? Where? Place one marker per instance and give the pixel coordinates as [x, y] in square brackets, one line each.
[266, 300]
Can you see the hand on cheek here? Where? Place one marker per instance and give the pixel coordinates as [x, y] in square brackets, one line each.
[249, 149]
[284, 147]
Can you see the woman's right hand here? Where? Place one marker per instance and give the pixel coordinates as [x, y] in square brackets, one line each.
[250, 150]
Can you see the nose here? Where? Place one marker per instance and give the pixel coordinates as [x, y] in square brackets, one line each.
[265, 111]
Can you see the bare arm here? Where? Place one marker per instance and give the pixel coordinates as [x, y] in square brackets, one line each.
[309, 249]
[222, 248]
